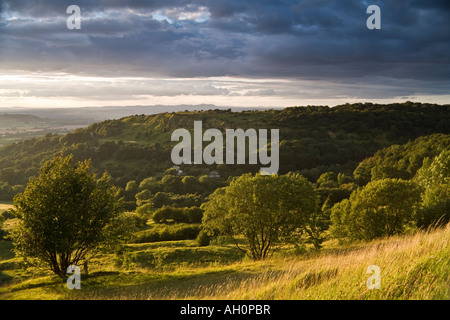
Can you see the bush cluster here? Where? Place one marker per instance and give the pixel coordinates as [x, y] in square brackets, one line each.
[168, 233]
[171, 214]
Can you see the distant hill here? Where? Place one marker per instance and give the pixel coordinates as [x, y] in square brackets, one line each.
[15, 127]
[313, 140]
[7, 120]
[96, 114]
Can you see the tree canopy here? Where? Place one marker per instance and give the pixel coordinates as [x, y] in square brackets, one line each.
[434, 177]
[381, 208]
[262, 209]
[64, 214]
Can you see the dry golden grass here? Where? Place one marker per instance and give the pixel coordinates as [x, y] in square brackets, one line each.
[5, 206]
[412, 267]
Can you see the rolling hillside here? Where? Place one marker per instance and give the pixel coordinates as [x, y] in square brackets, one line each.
[314, 140]
[339, 149]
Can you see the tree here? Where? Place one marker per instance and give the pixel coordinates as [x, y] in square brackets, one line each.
[192, 185]
[130, 191]
[162, 199]
[65, 214]
[265, 210]
[166, 213]
[145, 212]
[171, 183]
[143, 197]
[383, 172]
[132, 187]
[171, 172]
[2, 232]
[315, 228]
[434, 177]
[203, 239]
[327, 180]
[362, 173]
[150, 184]
[343, 179]
[381, 208]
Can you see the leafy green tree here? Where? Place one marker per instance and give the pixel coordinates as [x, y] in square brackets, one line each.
[65, 214]
[162, 199]
[264, 210]
[130, 192]
[2, 232]
[145, 212]
[131, 187]
[343, 179]
[171, 172]
[362, 173]
[381, 208]
[434, 177]
[401, 161]
[193, 214]
[319, 222]
[327, 180]
[383, 172]
[143, 197]
[208, 183]
[167, 213]
[192, 185]
[171, 183]
[150, 184]
[340, 218]
[203, 239]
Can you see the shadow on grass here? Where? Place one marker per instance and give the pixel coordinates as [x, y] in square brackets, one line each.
[5, 278]
[6, 252]
[155, 286]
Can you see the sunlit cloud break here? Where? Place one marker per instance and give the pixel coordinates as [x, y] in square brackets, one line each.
[231, 53]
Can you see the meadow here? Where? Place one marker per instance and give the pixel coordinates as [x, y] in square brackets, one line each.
[414, 266]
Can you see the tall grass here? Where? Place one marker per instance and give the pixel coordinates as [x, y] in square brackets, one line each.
[412, 267]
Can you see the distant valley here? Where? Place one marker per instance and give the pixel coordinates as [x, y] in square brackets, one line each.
[18, 124]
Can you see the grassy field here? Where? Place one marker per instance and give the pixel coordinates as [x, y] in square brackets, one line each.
[412, 267]
[5, 205]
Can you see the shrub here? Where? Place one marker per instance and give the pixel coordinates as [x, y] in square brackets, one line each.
[382, 208]
[162, 199]
[133, 220]
[203, 239]
[168, 214]
[434, 177]
[193, 214]
[179, 215]
[2, 232]
[7, 214]
[168, 233]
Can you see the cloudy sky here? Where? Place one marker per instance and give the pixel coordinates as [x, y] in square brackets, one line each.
[275, 53]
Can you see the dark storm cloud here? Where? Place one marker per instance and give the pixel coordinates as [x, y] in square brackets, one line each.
[320, 39]
[45, 8]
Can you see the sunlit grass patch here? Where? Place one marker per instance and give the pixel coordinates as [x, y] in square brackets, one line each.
[412, 267]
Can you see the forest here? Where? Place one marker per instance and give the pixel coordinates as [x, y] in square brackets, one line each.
[313, 140]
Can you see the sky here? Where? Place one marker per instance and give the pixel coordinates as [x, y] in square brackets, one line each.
[246, 53]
